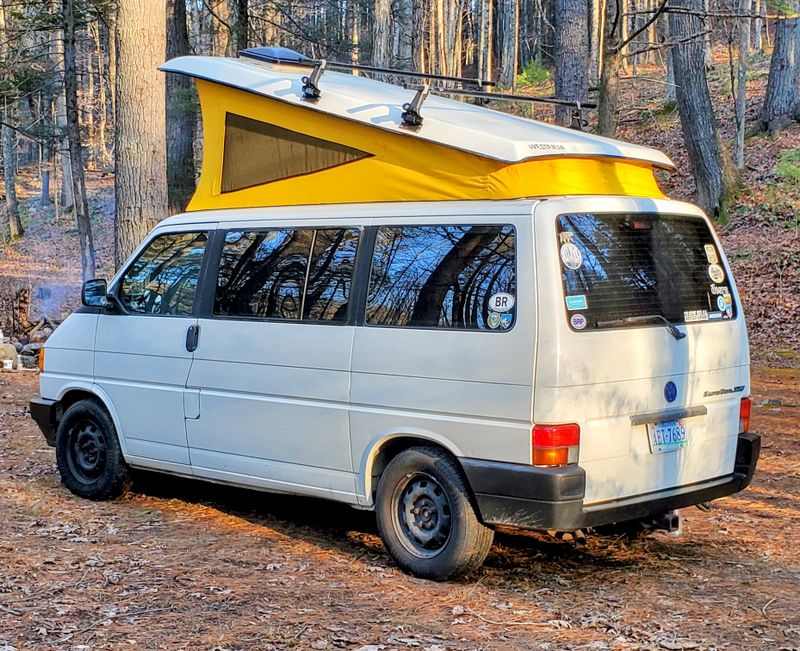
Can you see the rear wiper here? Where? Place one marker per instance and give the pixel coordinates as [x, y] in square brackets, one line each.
[645, 318]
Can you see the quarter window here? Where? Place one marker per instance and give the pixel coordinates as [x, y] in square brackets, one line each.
[163, 279]
[443, 277]
[286, 274]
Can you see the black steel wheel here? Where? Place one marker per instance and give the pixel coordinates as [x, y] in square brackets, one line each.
[88, 454]
[426, 518]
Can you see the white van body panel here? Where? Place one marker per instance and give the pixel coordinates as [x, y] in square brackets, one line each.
[601, 378]
[70, 354]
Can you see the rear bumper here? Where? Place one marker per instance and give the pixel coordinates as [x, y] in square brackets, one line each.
[43, 411]
[552, 498]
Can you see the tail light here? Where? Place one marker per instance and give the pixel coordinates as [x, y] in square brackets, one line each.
[555, 445]
[744, 415]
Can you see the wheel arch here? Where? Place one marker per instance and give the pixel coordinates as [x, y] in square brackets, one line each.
[70, 394]
[384, 447]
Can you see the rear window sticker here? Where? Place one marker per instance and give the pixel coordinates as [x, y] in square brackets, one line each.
[695, 315]
[578, 321]
[564, 237]
[493, 321]
[501, 302]
[711, 254]
[728, 299]
[721, 303]
[717, 291]
[716, 273]
[729, 311]
[571, 256]
[577, 302]
[505, 320]
[714, 316]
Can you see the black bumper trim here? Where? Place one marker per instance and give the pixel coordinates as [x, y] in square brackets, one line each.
[552, 498]
[44, 412]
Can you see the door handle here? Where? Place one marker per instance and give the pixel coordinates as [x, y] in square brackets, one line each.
[192, 335]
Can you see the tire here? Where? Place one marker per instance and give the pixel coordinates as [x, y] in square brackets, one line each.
[426, 518]
[88, 455]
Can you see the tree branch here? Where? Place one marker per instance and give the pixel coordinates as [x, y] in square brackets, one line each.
[643, 28]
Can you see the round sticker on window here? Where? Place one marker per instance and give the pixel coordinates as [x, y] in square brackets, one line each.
[571, 256]
[578, 321]
[716, 273]
[501, 302]
[493, 321]
[721, 303]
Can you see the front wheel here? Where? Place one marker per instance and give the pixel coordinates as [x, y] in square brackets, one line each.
[88, 454]
[426, 518]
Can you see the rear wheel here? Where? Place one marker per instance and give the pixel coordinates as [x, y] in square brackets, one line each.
[88, 454]
[426, 518]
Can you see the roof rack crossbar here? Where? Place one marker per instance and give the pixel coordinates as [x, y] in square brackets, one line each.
[443, 90]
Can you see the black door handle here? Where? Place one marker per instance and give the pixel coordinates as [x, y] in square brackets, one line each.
[192, 335]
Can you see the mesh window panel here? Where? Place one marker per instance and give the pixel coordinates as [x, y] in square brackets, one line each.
[257, 153]
[634, 266]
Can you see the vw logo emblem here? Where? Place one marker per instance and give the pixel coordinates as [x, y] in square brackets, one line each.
[670, 391]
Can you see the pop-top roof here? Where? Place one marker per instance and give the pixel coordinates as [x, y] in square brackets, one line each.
[459, 125]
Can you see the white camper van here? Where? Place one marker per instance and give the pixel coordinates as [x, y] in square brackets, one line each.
[553, 363]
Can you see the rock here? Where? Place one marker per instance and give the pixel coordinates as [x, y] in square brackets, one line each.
[38, 337]
[47, 331]
[16, 343]
[28, 361]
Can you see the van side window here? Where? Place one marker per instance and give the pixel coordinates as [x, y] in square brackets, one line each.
[443, 277]
[283, 274]
[163, 279]
[330, 275]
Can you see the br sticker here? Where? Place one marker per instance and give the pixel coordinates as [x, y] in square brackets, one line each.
[571, 256]
[501, 302]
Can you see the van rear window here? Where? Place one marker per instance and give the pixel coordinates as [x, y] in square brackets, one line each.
[621, 270]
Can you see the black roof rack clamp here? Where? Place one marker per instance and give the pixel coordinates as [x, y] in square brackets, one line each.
[411, 110]
[311, 89]
[578, 123]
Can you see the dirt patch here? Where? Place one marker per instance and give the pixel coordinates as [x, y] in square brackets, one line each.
[180, 564]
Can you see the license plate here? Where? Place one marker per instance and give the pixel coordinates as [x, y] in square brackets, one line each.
[666, 436]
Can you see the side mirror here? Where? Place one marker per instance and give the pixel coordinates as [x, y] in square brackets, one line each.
[94, 292]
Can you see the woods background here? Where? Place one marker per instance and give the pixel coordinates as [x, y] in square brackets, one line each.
[82, 102]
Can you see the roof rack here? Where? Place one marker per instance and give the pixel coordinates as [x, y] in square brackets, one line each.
[471, 87]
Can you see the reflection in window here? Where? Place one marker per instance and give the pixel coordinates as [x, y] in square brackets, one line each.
[274, 275]
[441, 276]
[330, 275]
[163, 279]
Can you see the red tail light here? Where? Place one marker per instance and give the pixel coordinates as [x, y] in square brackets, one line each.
[555, 445]
[744, 415]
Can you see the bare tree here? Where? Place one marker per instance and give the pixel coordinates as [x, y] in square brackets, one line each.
[782, 100]
[509, 43]
[740, 99]
[181, 113]
[140, 154]
[82, 218]
[713, 170]
[571, 55]
[381, 39]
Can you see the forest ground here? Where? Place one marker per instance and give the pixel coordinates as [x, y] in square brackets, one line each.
[179, 564]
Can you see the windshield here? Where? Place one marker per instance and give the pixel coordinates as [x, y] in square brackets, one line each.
[619, 270]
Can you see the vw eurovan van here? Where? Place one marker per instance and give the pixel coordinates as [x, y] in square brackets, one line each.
[551, 363]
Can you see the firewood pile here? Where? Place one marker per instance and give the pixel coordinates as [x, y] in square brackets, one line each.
[20, 348]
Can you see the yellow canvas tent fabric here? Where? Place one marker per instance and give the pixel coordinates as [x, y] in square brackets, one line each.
[387, 166]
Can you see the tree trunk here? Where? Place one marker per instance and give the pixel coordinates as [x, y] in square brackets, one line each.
[510, 43]
[782, 100]
[44, 197]
[713, 170]
[381, 36]
[571, 55]
[741, 82]
[405, 27]
[74, 141]
[9, 178]
[140, 155]
[181, 114]
[758, 25]
[596, 39]
[663, 28]
[609, 70]
[67, 187]
[240, 26]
